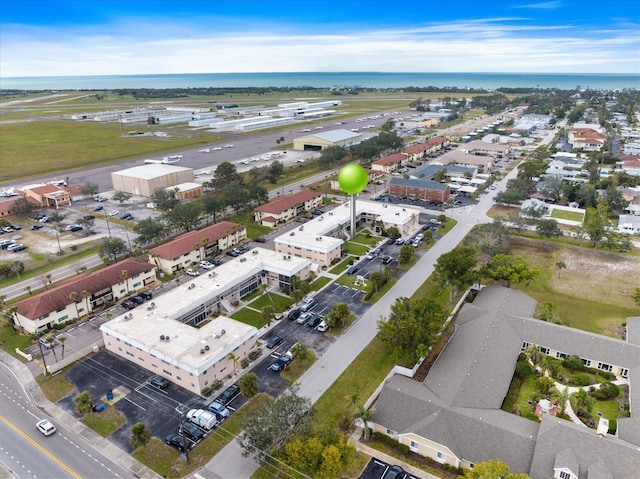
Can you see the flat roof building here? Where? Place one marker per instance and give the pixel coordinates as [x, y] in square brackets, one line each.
[319, 141]
[145, 179]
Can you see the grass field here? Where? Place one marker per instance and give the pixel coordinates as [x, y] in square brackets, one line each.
[567, 215]
[105, 422]
[592, 293]
[41, 147]
[319, 283]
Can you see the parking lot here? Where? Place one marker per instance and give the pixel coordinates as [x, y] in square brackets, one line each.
[159, 409]
[378, 469]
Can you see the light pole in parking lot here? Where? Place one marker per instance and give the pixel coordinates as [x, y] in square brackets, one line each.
[184, 438]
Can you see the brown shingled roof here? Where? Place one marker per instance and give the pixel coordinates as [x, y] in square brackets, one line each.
[283, 203]
[427, 145]
[391, 159]
[57, 298]
[187, 241]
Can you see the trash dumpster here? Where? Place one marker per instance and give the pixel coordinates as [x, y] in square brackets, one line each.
[100, 407]
[110, 395]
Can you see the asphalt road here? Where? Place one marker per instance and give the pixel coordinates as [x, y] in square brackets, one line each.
[29, 454]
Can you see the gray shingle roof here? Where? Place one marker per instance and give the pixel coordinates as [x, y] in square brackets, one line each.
[418, 183]
[458, 405]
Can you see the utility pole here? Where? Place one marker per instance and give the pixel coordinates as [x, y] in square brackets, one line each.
[185, 448]
[42, 354]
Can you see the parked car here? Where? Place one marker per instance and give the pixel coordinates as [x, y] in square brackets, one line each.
[233, 252]
[416, 243]
[128, 304]
[274, 342]
[147, 295]
[16, 227]
[177, 441]
[370, 255]
[394, 472]
[260, 239]
[4, 244]
[36, 227]
[89, 217]
[307, 304]
[229, 394]
[138, 300]
[192, 272]
[220, 410]
[303, 318]
[46, 427]
[15, 247]
[206, 265]
[353, 269]
[101, 198]
[322, 327]
[387, 259]
[435, 222]
[399, 241]
[158, 382]
[113, 213]
[281, 363]
[314, 320]
[73, 228]
[98, 208]
[126, 216]
[293, 314]
[203, 418]
[192, 431]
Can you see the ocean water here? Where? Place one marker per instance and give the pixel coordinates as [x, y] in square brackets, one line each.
[326, 80]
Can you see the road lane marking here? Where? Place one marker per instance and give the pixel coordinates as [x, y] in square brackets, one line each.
[39, 447]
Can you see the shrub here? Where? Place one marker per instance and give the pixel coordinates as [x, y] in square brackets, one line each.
[613, 426]
[524, 370]
[217, 384]
[255, 354]
[573, 363]
[206, 392]
[609, 390]
[402, 448]
[581, 380]
[244, 363]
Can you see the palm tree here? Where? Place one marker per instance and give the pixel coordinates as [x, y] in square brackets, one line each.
[72, 297]
[560, 265]
[52, 346]
[28, 289]
[234, 359]
[533, 354]
[268, 313]
[563, 398]
[86, 294]
[62, 339]
[353, 399]
[365, 415]
[124, 275]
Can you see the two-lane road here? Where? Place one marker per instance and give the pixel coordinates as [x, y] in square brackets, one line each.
[29, 454]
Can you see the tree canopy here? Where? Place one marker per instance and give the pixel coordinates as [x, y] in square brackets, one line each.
[457, 268]
[412, 328]
[509, 269]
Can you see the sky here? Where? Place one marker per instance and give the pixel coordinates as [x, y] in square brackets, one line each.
[115, 37]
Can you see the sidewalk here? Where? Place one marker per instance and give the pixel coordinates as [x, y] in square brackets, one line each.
[99, 443]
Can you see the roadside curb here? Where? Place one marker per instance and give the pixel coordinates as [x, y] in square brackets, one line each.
[102, 444]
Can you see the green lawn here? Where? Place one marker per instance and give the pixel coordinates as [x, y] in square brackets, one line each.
[355, 248]
[249, 316]
[361, 377]
[84, 144]
[376, 296]
[567, 215]
[342, 266]
[349, 280]
[105, 422]
[279, 303]
[320, 283]
[362, 238]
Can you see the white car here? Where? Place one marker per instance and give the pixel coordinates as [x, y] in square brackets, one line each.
[322, 327]
[230, 145]
[217, 148]
[46, 427]
[206, 265]
[192, 272]
[114, 213]
[370, 255]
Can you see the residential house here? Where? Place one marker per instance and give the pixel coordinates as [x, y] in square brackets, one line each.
[82, 295]
[286, 208]
[195, 246]
[585, 139]
[48, 196]
[454, 416]
[629, 224]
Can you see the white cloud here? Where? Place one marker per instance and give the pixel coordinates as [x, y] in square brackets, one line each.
[495, 45]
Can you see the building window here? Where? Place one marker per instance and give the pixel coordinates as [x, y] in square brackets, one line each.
[168, 373]
[565, 475]
[560, 355]
[414, 446]
[471, 465]
[391, 432]
[544, 350]
[441, 456]
[605, 367]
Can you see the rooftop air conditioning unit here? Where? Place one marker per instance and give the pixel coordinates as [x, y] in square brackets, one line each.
[293, 233]
[128, 316]
[242, 260]
[167, 337]
[223, 332]
[301, 228]
[162, 337]
[192, 285]
[255, 251]
[210, 275]
[206, 348]
[202, 351]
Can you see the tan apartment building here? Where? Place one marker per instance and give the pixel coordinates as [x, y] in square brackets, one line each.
[193, 358]
[195, 246]
[390, 163]
[82, 295]
[585, 139]
[286, 208]
[48, 196]
[422, 150]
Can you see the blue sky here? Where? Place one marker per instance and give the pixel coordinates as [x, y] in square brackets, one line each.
[114, 37]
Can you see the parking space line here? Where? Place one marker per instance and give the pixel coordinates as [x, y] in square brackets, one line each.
[134, 403]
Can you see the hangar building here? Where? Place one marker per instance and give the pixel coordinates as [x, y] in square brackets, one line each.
[326, 139]
[144, 180]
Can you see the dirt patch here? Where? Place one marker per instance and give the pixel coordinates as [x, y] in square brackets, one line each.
[606, 277]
